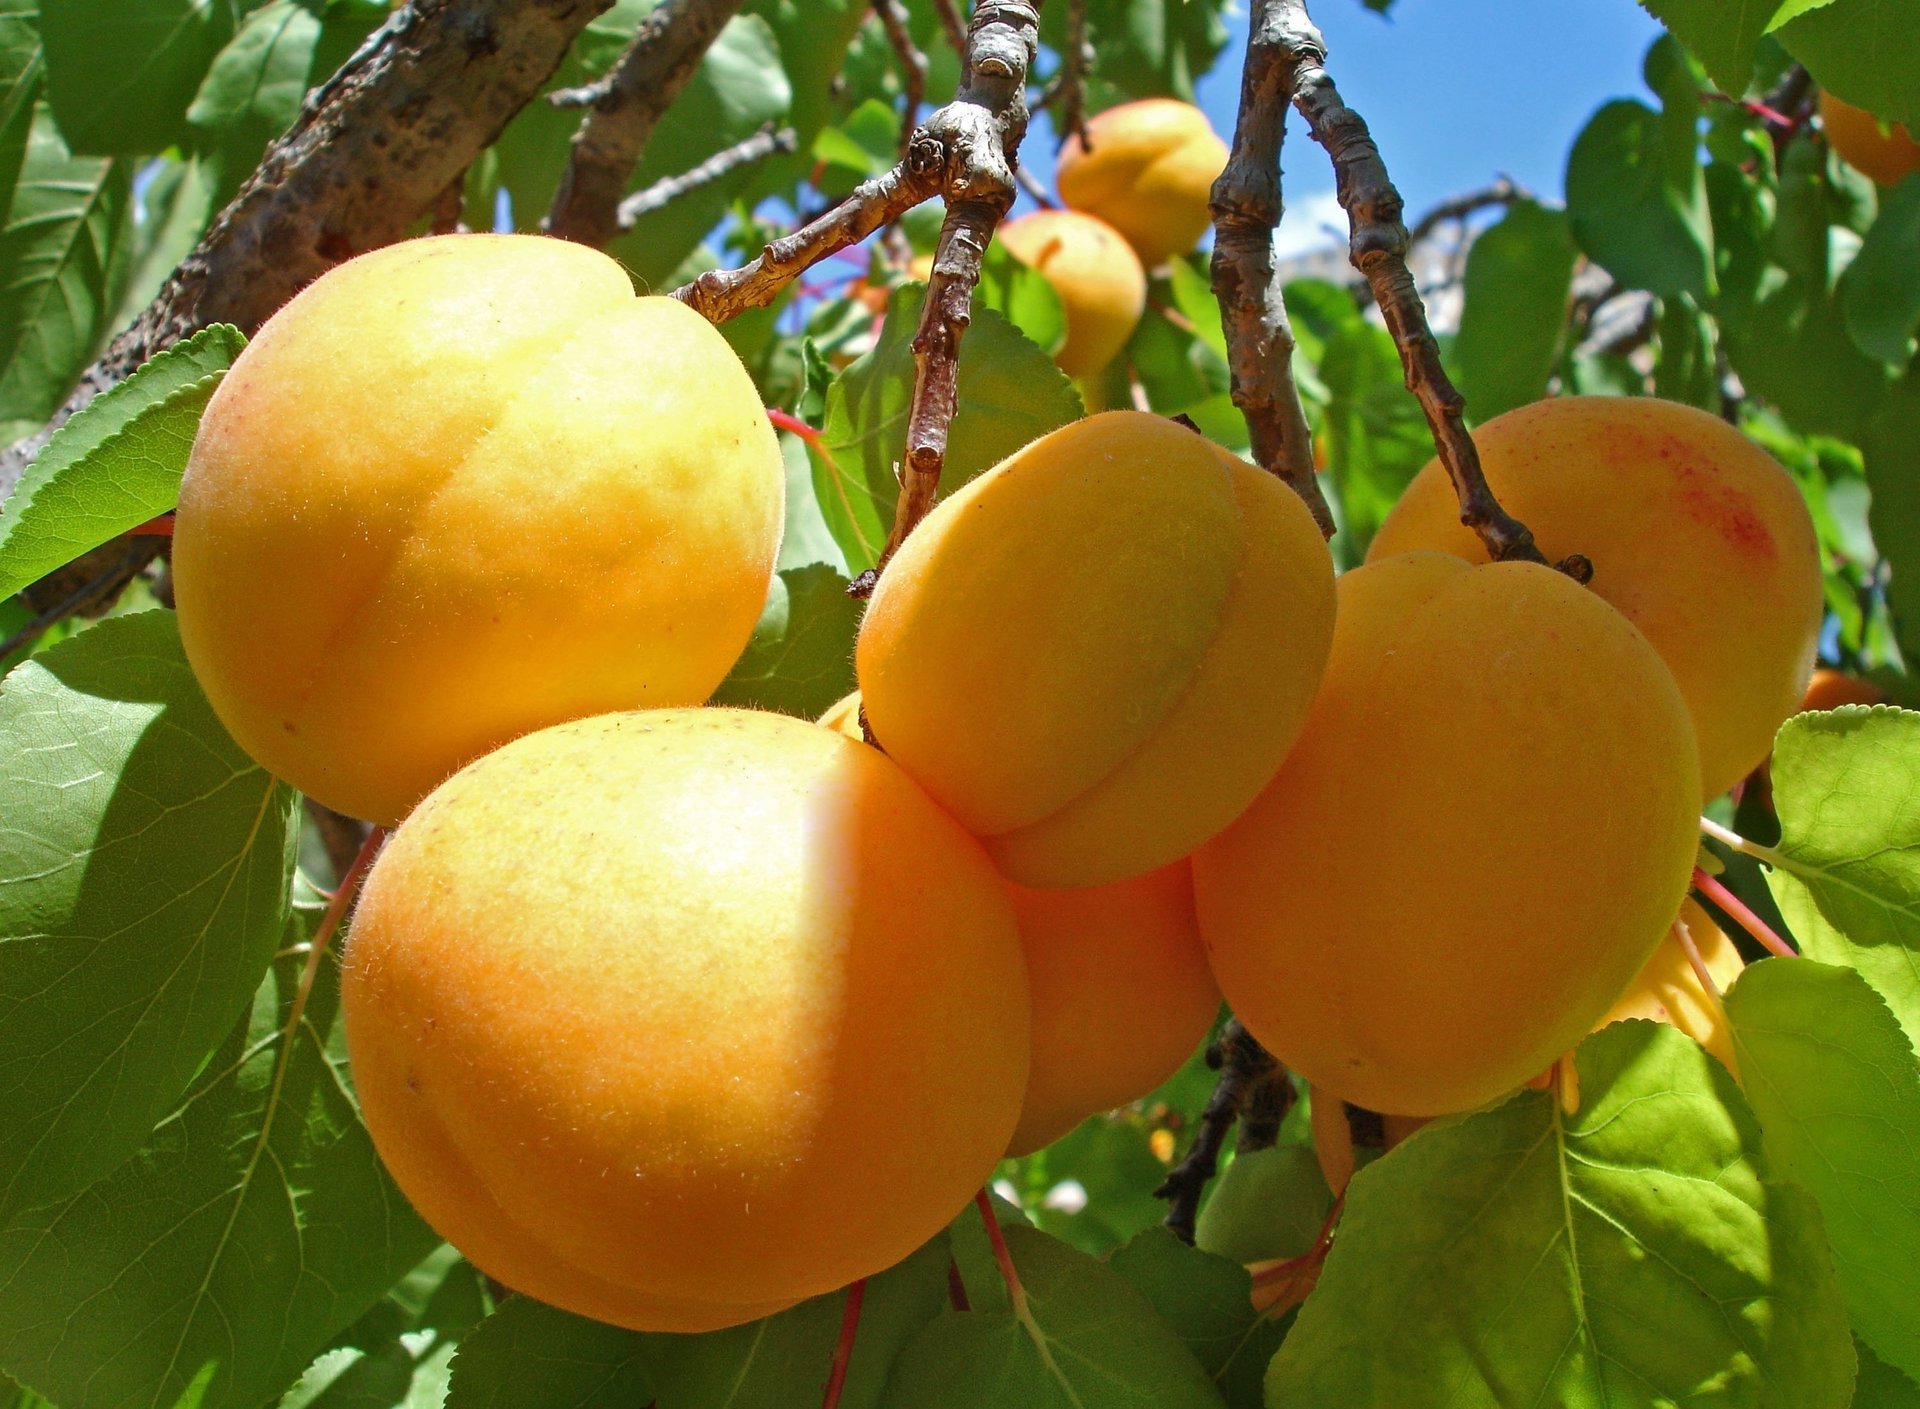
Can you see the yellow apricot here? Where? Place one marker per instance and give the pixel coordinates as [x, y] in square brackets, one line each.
[1491, 746]
[1667, 989]
[459, 489]
[1121, 996]
[1697, 535]
[636, 1006]
[1148, 617]
[1102, 288]
[1148, 172]
[1885, 151]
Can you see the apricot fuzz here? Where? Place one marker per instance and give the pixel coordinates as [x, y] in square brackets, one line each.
[637, 1006]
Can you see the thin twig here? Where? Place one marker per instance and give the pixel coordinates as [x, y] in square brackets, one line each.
[1247, 281]
[372, 149]
[666, 50]
[955, 27]
[1502, 192]
[1242, 1063]
[768, 141]
[1378, 248]
[913, 65]
[1031, 185]
[980, 130]
[1076, 56]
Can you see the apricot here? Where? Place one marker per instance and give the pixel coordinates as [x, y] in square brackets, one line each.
[1885, 151]
[1830, 689]
[1696, 534]
[1667, 989]
[1102, 288]
[1147, 618]
[1333, 1143]
[1147, 170]
[637, 1005]
[1484, 830]
[460, 489]
[1121, 996]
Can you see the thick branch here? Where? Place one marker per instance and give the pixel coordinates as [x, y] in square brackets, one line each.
[980, 132]
[1246, 207]
[668, 189]
[1378, 249]
[913, 65]
[625, 108]
[372, 151]
[1243, 1065]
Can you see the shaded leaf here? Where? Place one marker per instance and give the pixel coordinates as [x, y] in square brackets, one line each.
[1626, 213]
[1891, 453]
[144, 864]
[122, 72]
[22, 72]
[116, 464]
[1519, 277]
[1880, 291]
[1208, 1301]
[800, 659]
[1866, 51]
[527, 1355]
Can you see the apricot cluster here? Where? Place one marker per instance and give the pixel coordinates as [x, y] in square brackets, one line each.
[676, 1016]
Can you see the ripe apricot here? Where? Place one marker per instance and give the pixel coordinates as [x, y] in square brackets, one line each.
[1333, 1142]
[1697, 535]
[1102, 288]
[459, 489]
[1829, 689]
[637, 1005]
[1096, 653]
[1485, 828]
[1121, 996]
[1147, 170]
[1885, 151]
[1667, 989]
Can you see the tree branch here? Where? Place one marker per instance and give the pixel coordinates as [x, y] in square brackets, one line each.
[1071, 95]
[1378, 248]
[370, 153]
[980, 133]
[955, 27]
[1502, 192]
[1246, 206]
[1243, 1065]
[664, 192]
[913, 64]
[625, 108]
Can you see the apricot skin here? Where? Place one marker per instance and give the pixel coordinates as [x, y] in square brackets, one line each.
[1696, 534]
[637, 1005]
[1491, 746]
[1887, 155]
[1830, 689]
[1148, 173]
[1102, 288]
[1121, 996]
[1148, 616]
[457, 490]
[1667, 989]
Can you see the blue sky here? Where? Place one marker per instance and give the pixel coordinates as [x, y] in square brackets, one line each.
[1456, 92]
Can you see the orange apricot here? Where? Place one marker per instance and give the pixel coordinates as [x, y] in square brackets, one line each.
[1668, 990]
[1102, 288]
[1148, 170]
[1885, 151]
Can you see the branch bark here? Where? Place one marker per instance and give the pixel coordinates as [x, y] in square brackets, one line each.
[1246, 205]
[623, 110]
[371, 152]
[1072, 96]
[664, 192]
[913, 65]
[1378, 248]
[1244, 1066]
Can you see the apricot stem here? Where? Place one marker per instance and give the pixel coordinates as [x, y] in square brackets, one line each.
[1737, 908]
[843, 1351]
[1008, 1273]
[1678, 931]
[1729, 838]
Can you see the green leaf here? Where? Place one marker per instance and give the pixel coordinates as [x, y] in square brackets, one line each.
[255, 1226]
[1866, 51]
[1208, 1300]
[1880, 1386]
[1880, 291]
[1146, 50]
[1721, 35]
[1794, 351]
[527, 1355]
[1634, 1253]
[116, 464]
[143, 883]
[800, 659]
[1837, 1089]
[22, 73]
[62, 259]
[1625, 211]
[120, 73]
[1010, 394]
[1023, 297]
[13, 1396]
[1377, 436]
[1686, 371]
[1081, 1336]
[1266, 1204]
[1847, 869]
[399, 1355]
[1519, 277]
[1891, 451]
[179, 201]
[254, 90]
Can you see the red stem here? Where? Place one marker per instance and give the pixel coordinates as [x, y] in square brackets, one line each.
[984, 1202]
[785, 422]
[1737, 908]
[161, 527]
[1312, 1255]
[843, 1352]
